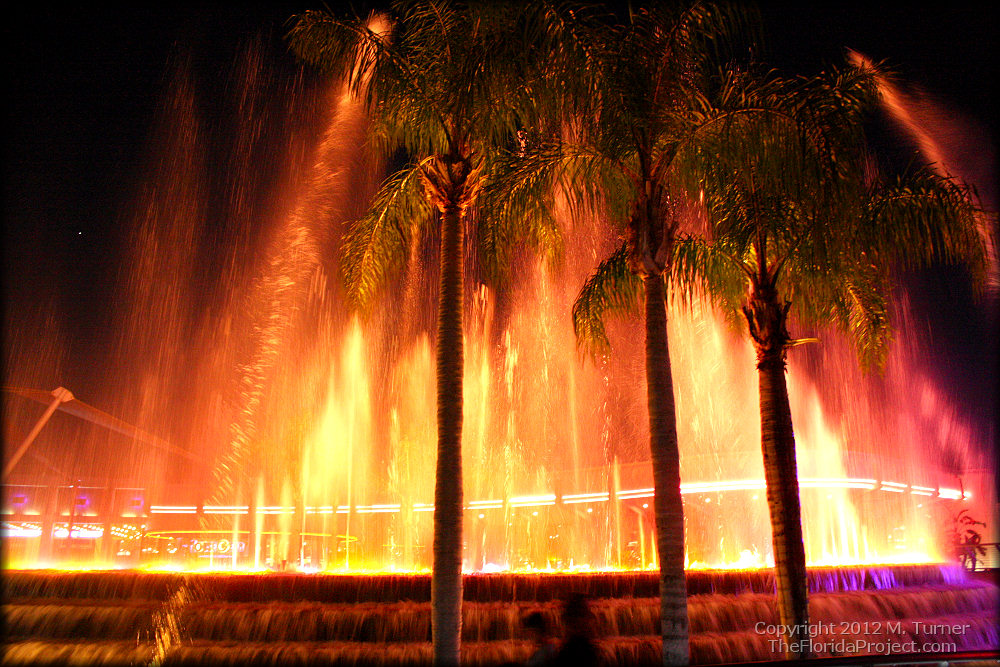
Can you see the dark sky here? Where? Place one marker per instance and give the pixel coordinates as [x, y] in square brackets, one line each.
[83, 85]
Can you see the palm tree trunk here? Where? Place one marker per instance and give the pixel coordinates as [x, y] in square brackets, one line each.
[446, 583]
[767, 328]
[669, 509]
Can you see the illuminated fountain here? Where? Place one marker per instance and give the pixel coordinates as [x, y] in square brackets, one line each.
[309, 431]
[308, 436]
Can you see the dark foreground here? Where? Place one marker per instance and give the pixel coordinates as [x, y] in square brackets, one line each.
[144, 618]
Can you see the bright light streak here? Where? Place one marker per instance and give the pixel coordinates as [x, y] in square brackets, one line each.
[576, 498]
[533, 501]
[580, 496]
[376, 509]
[826, 483]
[173, 509]
[226, 509]
[638, 493]
[729, 485]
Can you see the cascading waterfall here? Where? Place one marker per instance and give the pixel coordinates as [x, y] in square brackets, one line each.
[277, 619]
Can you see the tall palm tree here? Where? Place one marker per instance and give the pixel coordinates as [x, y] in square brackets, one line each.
[805, 227]
[446, 84]
[620, 156]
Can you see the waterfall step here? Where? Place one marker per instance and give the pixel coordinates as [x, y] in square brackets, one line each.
[410, 621]
[47, 653]
[103, 619]
[478, 587]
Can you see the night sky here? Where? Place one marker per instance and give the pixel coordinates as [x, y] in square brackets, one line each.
[84, 84]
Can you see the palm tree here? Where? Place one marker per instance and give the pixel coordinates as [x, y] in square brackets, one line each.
[446, 85]
[621, 157]
[804, 227]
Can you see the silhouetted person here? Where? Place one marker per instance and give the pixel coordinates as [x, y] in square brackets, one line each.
[545, 645]
[578, 648]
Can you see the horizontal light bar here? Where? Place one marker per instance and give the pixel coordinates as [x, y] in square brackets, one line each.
[635, 493]
[575, 498]
[533, 501]
[376, 509]
[730, 485]
[226, 509]
[173, 509]
[601, 495]
[849, 483]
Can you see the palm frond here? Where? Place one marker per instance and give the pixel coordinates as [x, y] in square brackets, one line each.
[376, 57]
[376, 245]
[700, 268]
[781, 167]
[868, 322]
[922, 217]
[346, 47]
[688, 40]
[851, 295]
[576, 38]
[513, 211]
[800, 137]
[445, 81]
[588, 179]
[612, 290]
